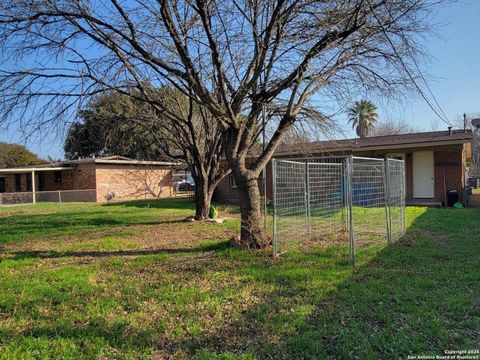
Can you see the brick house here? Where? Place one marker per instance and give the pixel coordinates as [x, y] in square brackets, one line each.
[435, 161]
[90, 180]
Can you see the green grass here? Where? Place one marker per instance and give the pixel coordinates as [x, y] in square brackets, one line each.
[476, 191]
[130, 281]
[51, 219]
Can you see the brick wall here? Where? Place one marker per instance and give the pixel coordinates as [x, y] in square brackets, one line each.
[84, 177]
[51, 184]
[133, 182]
[225, 192]
[448, 166]
[128, 182]
[66, 182]
[10, 182]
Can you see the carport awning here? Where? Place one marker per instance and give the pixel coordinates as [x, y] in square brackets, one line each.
[30, 169]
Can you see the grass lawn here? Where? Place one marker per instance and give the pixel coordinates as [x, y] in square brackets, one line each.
[134, 281]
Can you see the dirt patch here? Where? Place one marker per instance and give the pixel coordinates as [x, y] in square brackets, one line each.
[440, 240]
[409, 239]
[171, 233]
[180, 235]
[474, 200]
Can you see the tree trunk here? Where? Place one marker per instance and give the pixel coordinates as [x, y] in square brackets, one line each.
[203, 198]
[252, 233]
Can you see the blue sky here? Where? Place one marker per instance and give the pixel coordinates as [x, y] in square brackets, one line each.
[454, 78]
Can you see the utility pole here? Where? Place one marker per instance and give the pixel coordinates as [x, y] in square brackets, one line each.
[476, 145]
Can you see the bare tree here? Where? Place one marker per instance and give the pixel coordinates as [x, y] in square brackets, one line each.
[234, 58]
[199, 142]
[392, 127]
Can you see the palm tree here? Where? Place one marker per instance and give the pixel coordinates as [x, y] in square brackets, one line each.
[363, 116]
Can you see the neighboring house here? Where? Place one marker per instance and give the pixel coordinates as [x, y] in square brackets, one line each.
[435, 161]
[90, 179]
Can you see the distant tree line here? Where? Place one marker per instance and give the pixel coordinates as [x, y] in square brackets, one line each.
[14, 155]
[115, 124]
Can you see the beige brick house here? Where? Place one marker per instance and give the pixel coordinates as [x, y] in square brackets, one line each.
[89, 179]
[435, 161]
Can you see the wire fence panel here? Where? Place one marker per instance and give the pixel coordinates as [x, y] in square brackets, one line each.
[16, 198]
[290, 225]
[57, 196]
[326, 197]
[396, 197]
[369, 210]
[66, 196]
[333, 200]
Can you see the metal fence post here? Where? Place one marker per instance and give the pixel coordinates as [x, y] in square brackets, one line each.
[350, 208]
[386, 190]
[344, 195]
[403, 199]
[307, 201]
[274, 225]
[34, 195]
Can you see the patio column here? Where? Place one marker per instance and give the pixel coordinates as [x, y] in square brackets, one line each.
[33, 186]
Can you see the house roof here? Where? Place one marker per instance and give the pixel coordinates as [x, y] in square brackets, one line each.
[420, 139]
[67, 164]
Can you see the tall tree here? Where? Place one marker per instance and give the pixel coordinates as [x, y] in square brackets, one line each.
[13, 155]
[363, 116]
[234, 58]
[115, 124]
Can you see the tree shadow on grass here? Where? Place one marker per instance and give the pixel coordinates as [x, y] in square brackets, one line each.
[169, 203]
[417, 296]
[23, 226]
[89, 339]
[19, 227]
[21, 255]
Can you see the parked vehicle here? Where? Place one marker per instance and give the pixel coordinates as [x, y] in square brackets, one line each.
[185, 185]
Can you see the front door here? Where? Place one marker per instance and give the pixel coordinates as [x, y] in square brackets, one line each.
[423, 175]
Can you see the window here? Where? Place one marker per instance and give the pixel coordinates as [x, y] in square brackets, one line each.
[18, 182]
[3, 185]
[398, 156]
[29, 181]
[233, 184]
[41, 181]
[57, 175]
